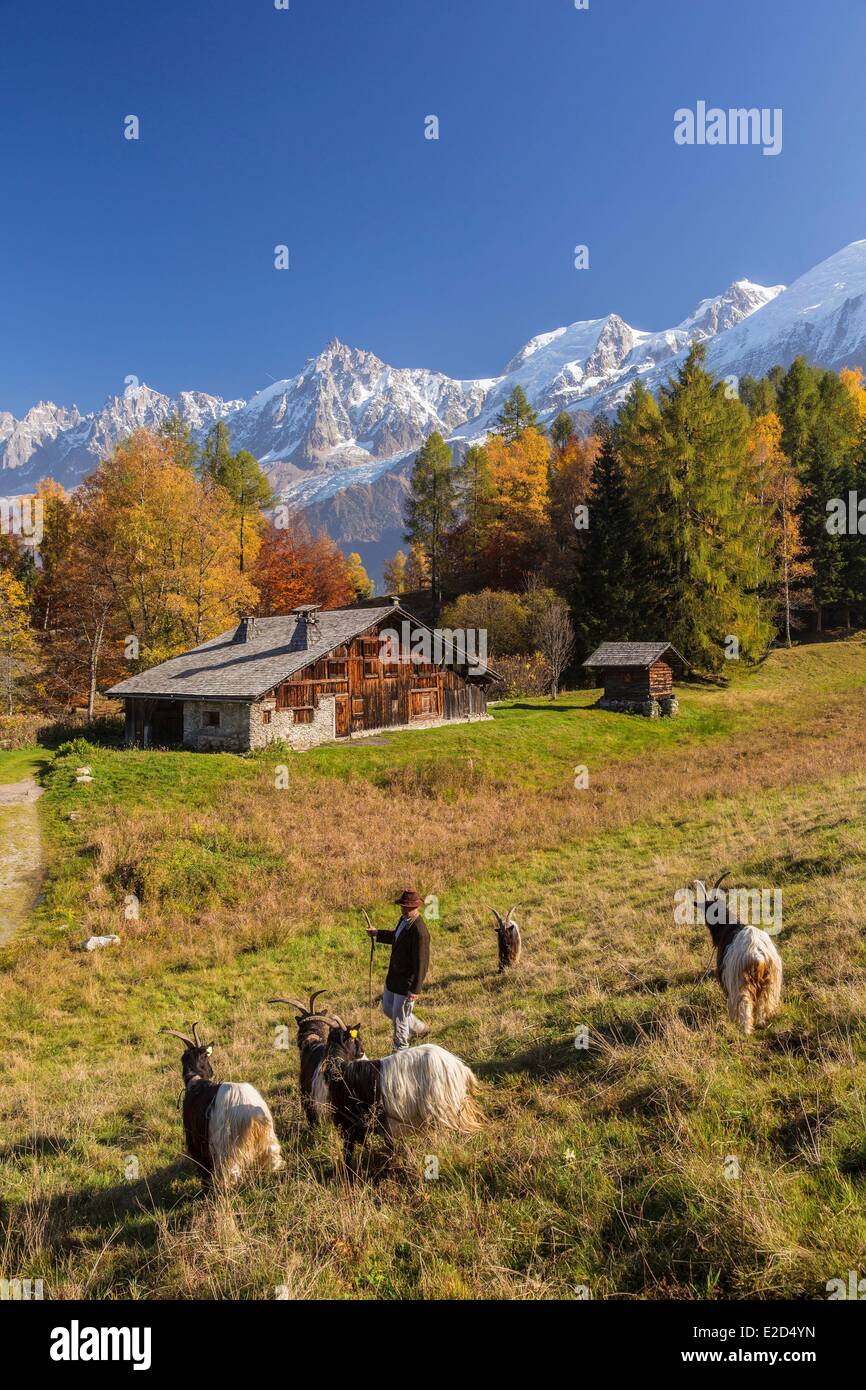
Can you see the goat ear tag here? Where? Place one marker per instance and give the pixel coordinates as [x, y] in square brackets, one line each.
[353, 1032]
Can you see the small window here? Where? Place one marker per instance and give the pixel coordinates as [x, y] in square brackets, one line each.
[337, 670]
[266, 716]
[303, 716]
[371, 670]
[357, 705]
[212, 718]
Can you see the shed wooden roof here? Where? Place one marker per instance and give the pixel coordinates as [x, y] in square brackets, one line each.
[641, 654]
[226, 668]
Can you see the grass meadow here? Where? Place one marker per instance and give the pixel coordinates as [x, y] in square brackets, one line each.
[604, 1168]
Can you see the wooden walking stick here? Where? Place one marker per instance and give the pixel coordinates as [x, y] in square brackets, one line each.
[372, 953]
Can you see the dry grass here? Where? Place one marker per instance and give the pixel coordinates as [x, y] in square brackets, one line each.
[604, 1166]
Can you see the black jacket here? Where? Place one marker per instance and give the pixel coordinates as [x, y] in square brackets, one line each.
[410, 957]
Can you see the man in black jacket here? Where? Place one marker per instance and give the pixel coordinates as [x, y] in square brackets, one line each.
[410, 957]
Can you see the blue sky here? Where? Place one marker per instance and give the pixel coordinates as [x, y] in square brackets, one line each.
[306, 127]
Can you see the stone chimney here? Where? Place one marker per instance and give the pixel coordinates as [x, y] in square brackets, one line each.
[306, 632]
[246, 630]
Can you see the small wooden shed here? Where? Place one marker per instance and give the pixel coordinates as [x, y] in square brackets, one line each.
[638, 677]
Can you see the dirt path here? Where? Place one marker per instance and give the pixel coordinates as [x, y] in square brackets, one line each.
[20, 853]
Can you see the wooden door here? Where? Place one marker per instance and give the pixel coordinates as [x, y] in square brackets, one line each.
[424, 704]
[341, 710]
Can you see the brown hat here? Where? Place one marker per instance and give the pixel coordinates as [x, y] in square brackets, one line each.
[409, 898]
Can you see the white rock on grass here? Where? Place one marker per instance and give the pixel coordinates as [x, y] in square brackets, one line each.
[93, 943]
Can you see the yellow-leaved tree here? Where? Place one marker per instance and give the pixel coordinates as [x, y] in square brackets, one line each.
[151, 569]
[778, 487]
[518, 473]
[17, 643]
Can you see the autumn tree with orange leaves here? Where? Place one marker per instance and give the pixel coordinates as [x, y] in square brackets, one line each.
[142, 565]
[295, 567]
[778, 487]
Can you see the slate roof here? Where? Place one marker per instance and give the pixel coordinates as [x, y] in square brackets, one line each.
[641, 654]
[226, 668]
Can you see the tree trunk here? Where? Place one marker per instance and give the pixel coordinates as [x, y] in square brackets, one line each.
[91, 692]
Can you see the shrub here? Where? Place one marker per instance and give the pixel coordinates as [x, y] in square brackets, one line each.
[499, 613]
[76, 748]
[19, 730]
[523, 675]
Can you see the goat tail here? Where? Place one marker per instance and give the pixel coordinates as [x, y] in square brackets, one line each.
[752, 979]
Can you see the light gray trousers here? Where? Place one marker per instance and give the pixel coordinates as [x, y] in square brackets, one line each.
[399, 1008]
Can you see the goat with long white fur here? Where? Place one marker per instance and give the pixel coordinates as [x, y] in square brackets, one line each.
[415, 1088]
[228, 1126]
[748, 966]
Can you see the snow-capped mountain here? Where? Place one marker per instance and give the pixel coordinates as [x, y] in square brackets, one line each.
[585, 364]
[822, 315]
[338, 438]
[53, 442]
[347, 408]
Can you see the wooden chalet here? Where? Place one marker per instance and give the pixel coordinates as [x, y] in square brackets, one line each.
[638, 677]
[306, 678]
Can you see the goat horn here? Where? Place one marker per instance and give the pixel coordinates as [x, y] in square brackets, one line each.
[511, 912]
[295, 1004]
[195, 1035]
[720, 877]
[314, 997]
[499, 920]
[172, 1034]
[333, 1020]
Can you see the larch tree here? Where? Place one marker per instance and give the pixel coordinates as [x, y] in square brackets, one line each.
[516, 416]
[431, 509]
[686, 460]
[779, 488]
[362, 584]
[246, 484]
[17, 642]
[395, 573]
[562, 430]
[473, 489]
[518, 532]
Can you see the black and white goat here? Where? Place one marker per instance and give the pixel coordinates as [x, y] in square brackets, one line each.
[408, 1090]
[508, 939]
[748, 966]
[228, 1127]
[313, 1030]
